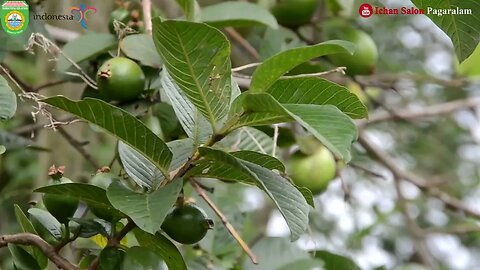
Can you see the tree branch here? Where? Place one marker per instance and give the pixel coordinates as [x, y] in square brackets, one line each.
[147, 15]
[423, 184]
[416, 232]
[434, 110]
[79, 147]
[30, 239]
[243, 42]
[225, 221]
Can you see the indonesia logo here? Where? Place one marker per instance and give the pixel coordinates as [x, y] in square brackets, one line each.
[14, 17]
[81, 13]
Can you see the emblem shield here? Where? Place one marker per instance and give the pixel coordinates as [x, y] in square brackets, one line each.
[14, 17]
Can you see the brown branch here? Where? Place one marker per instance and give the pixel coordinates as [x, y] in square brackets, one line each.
[243, 42]
[225, 221]
[423, 184]
[389, 80]
[79, 147]
[434, 110]
[147, 15]
[459, 229]
[417, 235]
[49, 84]
[30, 239]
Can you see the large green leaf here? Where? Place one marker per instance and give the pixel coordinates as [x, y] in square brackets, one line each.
[163, 247]
[47, 221]
[273, 253]
[333, 261]
[273, 68]
[247, 138]
[196, 126]
[327, 123]
[22, 259]
[85, 47]
[121, 124]
[141, 258]
[92, 195]
[8, 100]
[197, 57]
[461, 28]
[140, 47]
[318, 91]
[147, 210]
[110, 258]
[27, 227]
[263, 160]
[143, 171]
[289, 201]
[237, 14]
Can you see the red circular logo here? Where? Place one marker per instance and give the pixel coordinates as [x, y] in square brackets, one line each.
[365, 10]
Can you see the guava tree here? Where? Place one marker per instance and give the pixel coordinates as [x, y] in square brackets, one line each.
[182, 136]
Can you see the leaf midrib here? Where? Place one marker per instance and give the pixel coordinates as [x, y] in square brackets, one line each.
[197, 83]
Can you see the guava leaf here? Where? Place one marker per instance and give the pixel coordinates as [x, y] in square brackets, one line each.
[320, 92]
[335, 261]
[143, 171]
[47, 221]
[274, 67]
[92, 195]
[27, 227]
[141, 47]
[147, 210]
[327, 123]
[462, 29]
[195, 125]
[197, 57]
[289, 201]
[163, 247]
[141, 258]
[121, 124]
[22, 259]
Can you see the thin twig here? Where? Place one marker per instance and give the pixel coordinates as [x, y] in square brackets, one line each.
[49, 84]
[30, 239]
[225, 221]
[79, 147]
[275, 139]
[147, 15]
[365, 170]
[50, 47]
[340, 70]
[247, 66]
[243, 42]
